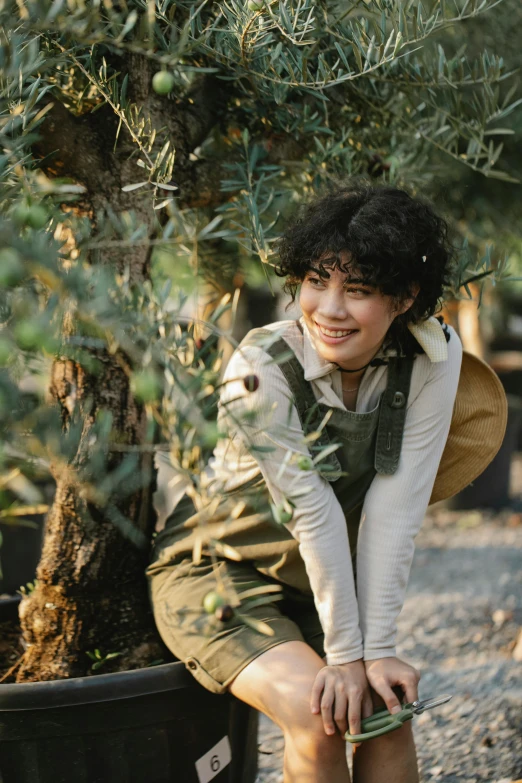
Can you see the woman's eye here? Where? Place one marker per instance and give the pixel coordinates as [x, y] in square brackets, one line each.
[358, 291]
[315, 281]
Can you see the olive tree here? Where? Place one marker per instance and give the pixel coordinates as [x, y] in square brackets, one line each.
[134, 126]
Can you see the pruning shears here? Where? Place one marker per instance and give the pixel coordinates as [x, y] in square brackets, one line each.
[383, 721]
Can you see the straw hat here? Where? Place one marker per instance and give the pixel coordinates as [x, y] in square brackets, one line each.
[477, 428]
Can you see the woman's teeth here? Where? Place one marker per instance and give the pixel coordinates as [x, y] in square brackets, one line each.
[336, 332]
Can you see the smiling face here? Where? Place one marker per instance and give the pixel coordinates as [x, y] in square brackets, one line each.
[347, 318]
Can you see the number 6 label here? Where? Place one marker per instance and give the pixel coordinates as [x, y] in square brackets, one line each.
[217, 758]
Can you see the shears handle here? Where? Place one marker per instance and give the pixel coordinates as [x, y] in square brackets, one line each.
[380, 723]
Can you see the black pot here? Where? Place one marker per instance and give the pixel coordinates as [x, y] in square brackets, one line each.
[155, 725]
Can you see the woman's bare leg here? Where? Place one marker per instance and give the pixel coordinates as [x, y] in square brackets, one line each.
[387, 759]
[279, 683]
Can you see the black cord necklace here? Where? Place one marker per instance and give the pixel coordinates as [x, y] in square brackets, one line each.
[358, 370]
[378, 362]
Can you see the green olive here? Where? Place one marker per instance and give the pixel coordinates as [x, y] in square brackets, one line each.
[11, 267]
[145, 385]
[20, 213]
[304, 463]
[163, 82]
[28, 335]
[212, 601]
[281, 515]
[38, 216]
[210, 434]
[255, 5]
[34, 215]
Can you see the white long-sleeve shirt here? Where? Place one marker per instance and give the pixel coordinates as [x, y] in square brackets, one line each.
[362, 623]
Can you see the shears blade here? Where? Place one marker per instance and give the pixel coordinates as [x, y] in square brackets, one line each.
[427, 704]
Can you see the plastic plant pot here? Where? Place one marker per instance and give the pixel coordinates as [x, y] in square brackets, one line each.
[154, 725]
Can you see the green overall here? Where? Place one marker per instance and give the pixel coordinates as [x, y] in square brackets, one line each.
[368, 443]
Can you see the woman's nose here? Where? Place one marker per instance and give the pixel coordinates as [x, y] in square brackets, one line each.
[333, 304]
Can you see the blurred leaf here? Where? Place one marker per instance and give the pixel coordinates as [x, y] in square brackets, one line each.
[253, 591]
[134, 186]
[226, 550]
[255, 624]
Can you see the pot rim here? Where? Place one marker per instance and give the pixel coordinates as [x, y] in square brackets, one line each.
[77, 691]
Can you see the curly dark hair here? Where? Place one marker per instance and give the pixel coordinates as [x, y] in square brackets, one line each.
[396, 243]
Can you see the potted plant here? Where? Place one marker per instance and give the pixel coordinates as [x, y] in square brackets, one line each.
[141, 139]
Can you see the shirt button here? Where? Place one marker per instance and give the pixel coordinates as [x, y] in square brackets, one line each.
[399, 400]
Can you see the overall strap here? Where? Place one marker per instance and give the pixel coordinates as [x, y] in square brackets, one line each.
[392, 415]
[302, 395]
[290, 366]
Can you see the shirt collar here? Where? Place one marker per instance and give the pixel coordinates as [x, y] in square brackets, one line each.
[429, 334]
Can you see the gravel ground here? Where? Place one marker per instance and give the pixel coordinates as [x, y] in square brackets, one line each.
[460, 624]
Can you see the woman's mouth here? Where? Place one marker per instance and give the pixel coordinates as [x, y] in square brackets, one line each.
[334, 336]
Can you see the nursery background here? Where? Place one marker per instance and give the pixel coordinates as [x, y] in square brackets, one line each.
[151, 153]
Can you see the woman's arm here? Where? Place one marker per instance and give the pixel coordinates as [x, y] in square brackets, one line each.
[395, 506]
[268, 418]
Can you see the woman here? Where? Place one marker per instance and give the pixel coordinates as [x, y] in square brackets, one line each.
[335, 425]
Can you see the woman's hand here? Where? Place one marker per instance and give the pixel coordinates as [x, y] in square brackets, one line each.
[386, 673]
[341, 694]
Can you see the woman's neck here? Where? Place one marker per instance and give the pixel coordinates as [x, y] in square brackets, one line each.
[351, 380]
[358, 367]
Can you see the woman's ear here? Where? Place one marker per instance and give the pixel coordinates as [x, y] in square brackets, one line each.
[407, 303]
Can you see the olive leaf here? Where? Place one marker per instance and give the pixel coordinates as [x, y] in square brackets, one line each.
[255, 624]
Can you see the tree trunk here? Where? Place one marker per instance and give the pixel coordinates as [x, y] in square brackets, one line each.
[91, 592]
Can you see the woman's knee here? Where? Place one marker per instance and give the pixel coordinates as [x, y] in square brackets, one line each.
[279, 683]
[286, 702]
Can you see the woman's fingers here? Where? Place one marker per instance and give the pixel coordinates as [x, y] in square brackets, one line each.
[338, 693]
[354, 711]
[341, 709]
[390, 699]
[387, 673]
[327, 703]
[317, 692]
[410, 685]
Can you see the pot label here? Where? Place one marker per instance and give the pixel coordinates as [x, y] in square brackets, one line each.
[217, 758]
